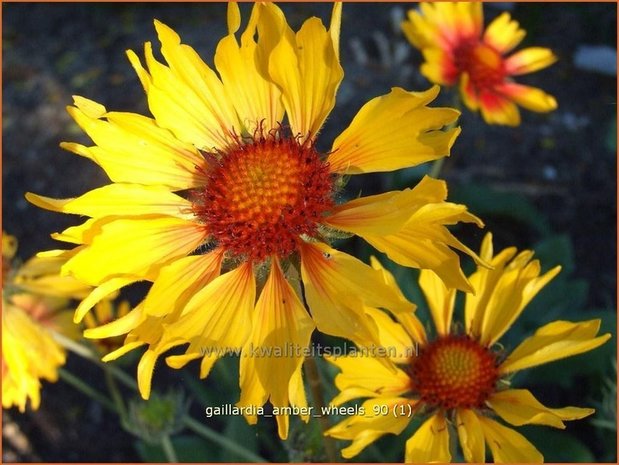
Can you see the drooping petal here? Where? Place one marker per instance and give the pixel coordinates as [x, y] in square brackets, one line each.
[119, 199]
[136, 247]
[440, 300]
[531, 98]
[503, 33]
[367, 428]
[529, 60]
[338, 286]
[430, 443]
[131, 148]
[280, 333]
[394, 131]
[507, 445]
[106, 289]
[554, 341]
[308, 73]
[519, 407]
[471, 436]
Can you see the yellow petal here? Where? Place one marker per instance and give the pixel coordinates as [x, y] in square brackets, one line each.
[366, 428]
[361, 375]
[507, 445]
[257, 100]
[514, 289]
[468, 92]
[281, 331]
[9, 245]
[430, 443]
[394, 131]
[190, 78]
[106, 289]
[119, 199]
[217, 316]
[530, 98]
[471, 436]
[519, 407]
[554, 341]
[498, 109]
[529, 60]
[132, 148]
[308, 73]
[440, 300]
[117, 327]
[137, 247]
[180, 280]
[395, 342]
[337, 286]
[503, 33]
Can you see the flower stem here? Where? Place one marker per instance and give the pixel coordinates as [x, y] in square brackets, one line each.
[81, 386]
[116, 396]
[313, 377]
[168, 449]
[221, 440]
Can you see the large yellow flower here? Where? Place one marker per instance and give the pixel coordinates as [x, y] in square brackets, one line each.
[450, 37]
[35, 301]
[227, 207]
[457, 379]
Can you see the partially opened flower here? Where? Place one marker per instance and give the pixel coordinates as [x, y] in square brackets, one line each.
[457, 51]
[226, 206]
[35, 302]
[457, 381]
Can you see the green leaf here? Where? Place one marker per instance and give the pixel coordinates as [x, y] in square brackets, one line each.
[556, 445]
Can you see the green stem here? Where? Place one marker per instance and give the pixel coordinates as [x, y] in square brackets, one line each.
[222, 441]
[128, 381]
[116, 396]
[313, 378]
[168, 449]
[436, 168]
[86, 389]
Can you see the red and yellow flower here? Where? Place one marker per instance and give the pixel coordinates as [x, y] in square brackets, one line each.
[457, 51]
[457, 380]
[227, 207]
[35, 304]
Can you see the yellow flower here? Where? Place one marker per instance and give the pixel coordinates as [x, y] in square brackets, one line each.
[34, 303]
[450, 37]
[226, 206]
[459, 380]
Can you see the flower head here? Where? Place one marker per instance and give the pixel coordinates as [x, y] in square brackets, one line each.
[35, 300]
[224, 202]
[457, 380]
[458, 51]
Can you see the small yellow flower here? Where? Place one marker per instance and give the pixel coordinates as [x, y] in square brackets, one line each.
[456, 52]
[458, 380]
[34, 303]
[226, 206]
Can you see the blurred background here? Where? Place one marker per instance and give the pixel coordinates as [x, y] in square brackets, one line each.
[549, 184]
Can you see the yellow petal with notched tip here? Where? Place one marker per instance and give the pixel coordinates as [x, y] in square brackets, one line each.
[554, 341]
[281, 330]
[394, 131]
[308, 73]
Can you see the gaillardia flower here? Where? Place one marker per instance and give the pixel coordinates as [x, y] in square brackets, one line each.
[227, 207]
[35, 301]
[456, 52]
[457, 380]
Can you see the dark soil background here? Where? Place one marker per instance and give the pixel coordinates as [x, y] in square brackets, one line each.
[562, 164]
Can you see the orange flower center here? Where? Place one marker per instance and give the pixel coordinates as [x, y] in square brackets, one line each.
[483, 64]
[260, 197]
[454, 371]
